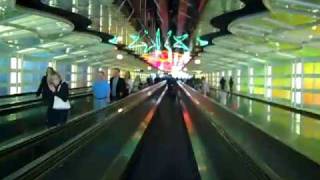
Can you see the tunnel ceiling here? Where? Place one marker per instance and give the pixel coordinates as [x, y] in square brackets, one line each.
[287, 31]
[164, 33]
[39, 36]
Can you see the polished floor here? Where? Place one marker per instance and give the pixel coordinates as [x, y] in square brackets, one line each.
[300, 132]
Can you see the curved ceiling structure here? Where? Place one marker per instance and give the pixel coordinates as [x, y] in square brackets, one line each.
[39, 36]
[289, 30]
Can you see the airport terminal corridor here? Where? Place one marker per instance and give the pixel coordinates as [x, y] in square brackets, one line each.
[160, 89]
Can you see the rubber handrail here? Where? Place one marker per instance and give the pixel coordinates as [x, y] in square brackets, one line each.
[29, 93]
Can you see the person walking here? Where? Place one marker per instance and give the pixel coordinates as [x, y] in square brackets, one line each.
[222, 84]
[117, 85]
[59, 105]
[101, 91]
[231, 85]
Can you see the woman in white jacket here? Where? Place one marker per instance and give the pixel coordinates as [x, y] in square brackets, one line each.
[205, 87]
[129, 83]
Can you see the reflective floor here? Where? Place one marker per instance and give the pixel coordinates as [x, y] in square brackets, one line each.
[300, 132]
[4, 101]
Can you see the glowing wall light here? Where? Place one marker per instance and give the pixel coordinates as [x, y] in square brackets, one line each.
[74, 75]
[297, 71]
[269, 82]
[15, 75]
[299, 68]
[251, 73]
[89, 76]
[238, 80]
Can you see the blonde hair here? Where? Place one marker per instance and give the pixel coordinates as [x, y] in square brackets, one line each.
[127, 75]
[54, 73]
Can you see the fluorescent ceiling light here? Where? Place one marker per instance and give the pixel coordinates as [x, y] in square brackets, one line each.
[258, 60]
[80, 52]
[286, 55]
[28, 50]
[62, 56]
[47, 45]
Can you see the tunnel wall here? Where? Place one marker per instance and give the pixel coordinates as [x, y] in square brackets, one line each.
[292, 83]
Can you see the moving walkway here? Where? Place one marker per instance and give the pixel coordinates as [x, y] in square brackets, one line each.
[27, 114]
[37, 145]
[180, 135]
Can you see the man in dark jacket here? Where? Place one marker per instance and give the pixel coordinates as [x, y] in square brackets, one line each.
[157, 79]
[117, 85]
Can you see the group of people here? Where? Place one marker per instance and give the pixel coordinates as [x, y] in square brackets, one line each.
[199, 84]
[222, 83]
[53, 88]
[55, 92]
[203, 85]
[118, 88]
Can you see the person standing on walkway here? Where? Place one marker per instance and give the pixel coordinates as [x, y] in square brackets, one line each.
[222, 84]
[101, 91]
[129, 83]
[137, 84]
[231, 85]
[57, 113]
[117, 85]
[43, 88]
[157, 79]
[205, 87]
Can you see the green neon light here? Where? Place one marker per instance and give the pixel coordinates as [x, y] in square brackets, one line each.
[158, 40]
[114, 40]
[147, 48]
[167, 43]
[179, 42]
[135, 39]
[201, 42]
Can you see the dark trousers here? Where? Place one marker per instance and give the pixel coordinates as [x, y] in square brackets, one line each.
[56, 117]
[114, 98]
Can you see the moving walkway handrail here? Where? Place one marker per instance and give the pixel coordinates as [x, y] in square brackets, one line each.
[8, 108]
[29, 93]
[228, 122]
[29, 142]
